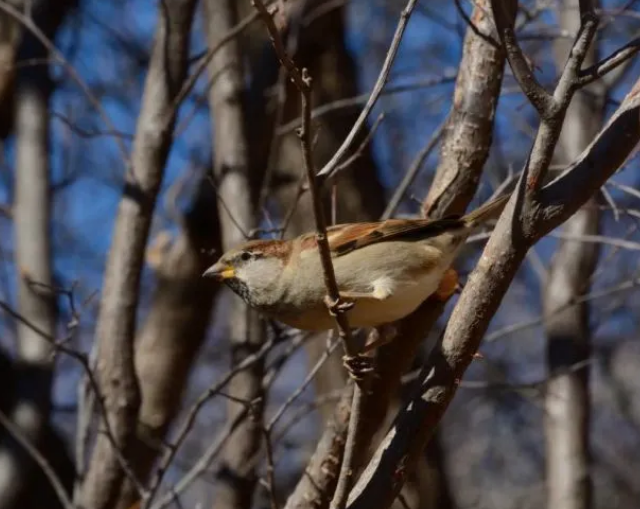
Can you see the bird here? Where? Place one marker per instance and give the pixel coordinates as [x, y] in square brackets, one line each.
[384, 270]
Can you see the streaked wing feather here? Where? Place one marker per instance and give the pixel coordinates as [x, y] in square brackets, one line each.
[348, 237]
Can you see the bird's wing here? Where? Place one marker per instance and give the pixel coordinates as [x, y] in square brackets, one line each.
[345, 238]
[348, 237]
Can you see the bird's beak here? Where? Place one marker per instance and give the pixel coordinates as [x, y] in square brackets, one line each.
[220, 271]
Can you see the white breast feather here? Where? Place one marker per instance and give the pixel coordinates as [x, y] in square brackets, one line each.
[402, 298]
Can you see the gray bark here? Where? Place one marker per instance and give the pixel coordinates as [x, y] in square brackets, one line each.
[174, 328]
[567, 407]
[26, 110]
[36, 304]
[236, 476]
[116, 321]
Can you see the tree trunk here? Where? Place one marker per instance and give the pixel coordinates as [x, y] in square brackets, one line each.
[32, 210]
[236, 186]
[116, 321]
[175, 327]
[567, 407]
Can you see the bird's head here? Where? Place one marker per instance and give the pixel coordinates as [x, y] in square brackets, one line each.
[252, 269]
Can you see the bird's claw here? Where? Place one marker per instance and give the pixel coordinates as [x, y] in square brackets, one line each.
[338, 306]
[359, 366]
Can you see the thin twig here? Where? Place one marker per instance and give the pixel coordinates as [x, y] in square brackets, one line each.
[223, 435]
[413, 170]
[61, 345]
[598, 294]
[28, 23]
[190, 418]
[329, 168]
[352, 102]
[42, 462]
[203, 462]
[293, 33]
[360, 150]
[608, 64]
[271, 470]
[303, 83]
[190, 82]
[347, 473]
[308, 379]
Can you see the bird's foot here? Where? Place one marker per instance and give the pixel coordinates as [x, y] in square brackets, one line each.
[359, 366]
[338, 306]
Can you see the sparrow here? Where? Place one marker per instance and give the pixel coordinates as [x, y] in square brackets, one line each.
[383, 269]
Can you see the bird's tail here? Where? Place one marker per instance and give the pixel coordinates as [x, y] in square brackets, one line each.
[486, 212]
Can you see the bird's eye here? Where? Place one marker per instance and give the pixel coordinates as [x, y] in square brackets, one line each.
[246, 255]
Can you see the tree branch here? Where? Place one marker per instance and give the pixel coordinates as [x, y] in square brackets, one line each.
[237, 187]
[469, 129]
[480, 299]
[42, 462]
[608, 64]
[329, 168]
[566, 396]
[504, 13]
[552, 109]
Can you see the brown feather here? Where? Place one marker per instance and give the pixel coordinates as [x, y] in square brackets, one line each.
[345, 238]
[269, 247]
[358, 235]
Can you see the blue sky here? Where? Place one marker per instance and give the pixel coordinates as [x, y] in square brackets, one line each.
[85, 210]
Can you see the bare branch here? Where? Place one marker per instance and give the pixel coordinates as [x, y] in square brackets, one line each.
[204, 62]
[303, 82]
[189, 420]
[469, 129]
[608, 152]
[42, 462]
[29, 24]
[296, 394]
[553, 113]
[566, 398]
[351, 102]
[480, 299]
[504, 13]
[608, 64]
[92, 382]
[330, 166]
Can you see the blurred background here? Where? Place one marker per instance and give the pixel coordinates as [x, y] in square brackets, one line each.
[77, 116]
